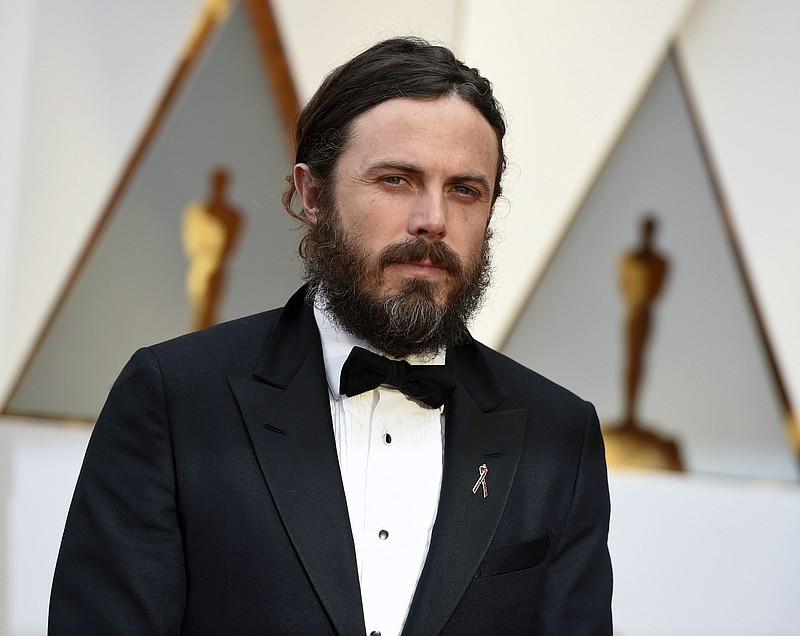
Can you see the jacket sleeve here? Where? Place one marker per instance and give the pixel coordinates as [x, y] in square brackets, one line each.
[577, 593]
[120, 569]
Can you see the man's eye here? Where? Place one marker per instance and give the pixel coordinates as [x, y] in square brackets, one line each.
[464, 190]
[393, 180]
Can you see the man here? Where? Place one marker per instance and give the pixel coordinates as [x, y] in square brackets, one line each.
[260, 477]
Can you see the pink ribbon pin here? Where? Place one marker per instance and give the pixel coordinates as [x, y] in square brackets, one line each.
[482, 469]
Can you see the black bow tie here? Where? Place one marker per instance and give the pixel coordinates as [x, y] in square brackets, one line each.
[428, 383]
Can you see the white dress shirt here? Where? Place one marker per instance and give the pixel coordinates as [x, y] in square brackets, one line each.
[390, 452]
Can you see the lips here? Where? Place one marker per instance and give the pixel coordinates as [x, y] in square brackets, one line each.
[421, 270]
[424, 263]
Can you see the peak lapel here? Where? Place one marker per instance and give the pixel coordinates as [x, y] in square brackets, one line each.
[288, 419]
[466, 521]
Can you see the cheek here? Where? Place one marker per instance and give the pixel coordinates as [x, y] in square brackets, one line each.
[379, 230]
[471, 236]
[371, 216]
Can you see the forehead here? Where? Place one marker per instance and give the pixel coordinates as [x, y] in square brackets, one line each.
[425, 131]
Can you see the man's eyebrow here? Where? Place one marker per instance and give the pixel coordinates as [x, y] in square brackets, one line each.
[393, 165]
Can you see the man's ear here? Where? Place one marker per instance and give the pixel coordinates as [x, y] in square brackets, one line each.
[307, 190]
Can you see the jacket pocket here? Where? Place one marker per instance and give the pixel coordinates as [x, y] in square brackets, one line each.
[503, 559]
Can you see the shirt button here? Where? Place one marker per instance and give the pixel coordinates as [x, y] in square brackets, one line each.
[374, 634]
[387, 439]
[383, 535]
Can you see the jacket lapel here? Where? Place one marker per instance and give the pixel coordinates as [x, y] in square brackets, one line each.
[287, 414]
[466, 521]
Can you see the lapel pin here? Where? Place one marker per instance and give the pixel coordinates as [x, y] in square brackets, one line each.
[482, 469]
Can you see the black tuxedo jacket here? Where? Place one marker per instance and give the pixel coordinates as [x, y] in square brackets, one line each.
[210, 500]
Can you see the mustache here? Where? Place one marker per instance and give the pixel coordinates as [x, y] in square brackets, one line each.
[417, 250]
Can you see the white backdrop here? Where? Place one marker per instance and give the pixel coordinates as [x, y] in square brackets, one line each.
[80, 78]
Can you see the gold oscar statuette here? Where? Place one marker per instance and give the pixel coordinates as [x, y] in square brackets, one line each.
[209, 233]
[642, 274]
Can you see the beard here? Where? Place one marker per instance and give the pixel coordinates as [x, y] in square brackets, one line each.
[347, 282]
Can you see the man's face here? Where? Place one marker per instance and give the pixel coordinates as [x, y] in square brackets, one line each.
[401, 231]
[417, 169]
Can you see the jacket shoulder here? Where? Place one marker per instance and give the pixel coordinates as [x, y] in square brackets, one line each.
[234, 344]
[525, 386]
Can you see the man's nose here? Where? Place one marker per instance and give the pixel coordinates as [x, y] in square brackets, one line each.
[428, 219]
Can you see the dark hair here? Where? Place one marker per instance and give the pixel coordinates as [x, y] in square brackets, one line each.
[397, 67]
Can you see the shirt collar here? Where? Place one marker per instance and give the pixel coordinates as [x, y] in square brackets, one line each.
[337, 344]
